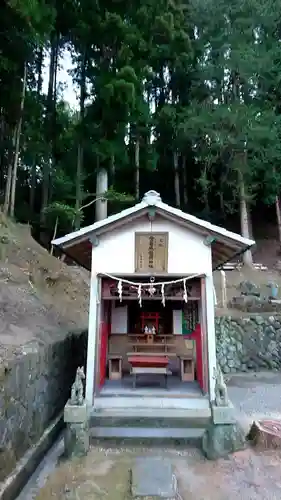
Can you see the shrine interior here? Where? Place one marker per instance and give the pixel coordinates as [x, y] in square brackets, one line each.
[156, 339]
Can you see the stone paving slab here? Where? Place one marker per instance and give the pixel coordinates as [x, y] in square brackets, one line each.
[152, 479]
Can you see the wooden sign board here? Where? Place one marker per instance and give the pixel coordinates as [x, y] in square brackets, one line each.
[151, 252]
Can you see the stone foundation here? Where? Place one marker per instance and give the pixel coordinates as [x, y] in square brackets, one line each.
[76, 434]
[34, 387]
[248, 344]
[223, 414]
[219, 440]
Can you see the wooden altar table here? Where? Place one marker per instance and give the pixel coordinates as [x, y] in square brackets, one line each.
[152, 365]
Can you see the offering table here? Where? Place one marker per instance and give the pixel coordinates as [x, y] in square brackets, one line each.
[142, 364]
[150, 355]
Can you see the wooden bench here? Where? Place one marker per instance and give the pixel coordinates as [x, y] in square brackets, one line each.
[153, 354]
[149, 370]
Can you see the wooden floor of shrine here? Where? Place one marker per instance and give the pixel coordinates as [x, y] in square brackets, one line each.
[151, 386]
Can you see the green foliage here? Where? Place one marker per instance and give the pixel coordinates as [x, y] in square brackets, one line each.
[112, 195]
[61, 214]
[166, 89]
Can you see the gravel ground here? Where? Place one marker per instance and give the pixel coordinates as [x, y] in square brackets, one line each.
[256, 395]
[104, 473]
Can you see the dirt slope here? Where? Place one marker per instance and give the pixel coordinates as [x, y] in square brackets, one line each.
[40, 296]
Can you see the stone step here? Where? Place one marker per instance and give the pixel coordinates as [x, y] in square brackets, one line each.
[150, 412]
[139, 436]
[119, 424]
[146, 394]
[108, 420]
[150, 417]
[194, 406]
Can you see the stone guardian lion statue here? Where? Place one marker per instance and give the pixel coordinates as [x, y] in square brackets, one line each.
[77, 388]
[221, 396]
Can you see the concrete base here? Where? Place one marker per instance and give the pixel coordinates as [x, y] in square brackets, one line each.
[76, 434]
[222, 439]
[153, 479]
[74, 414]
[223, 414]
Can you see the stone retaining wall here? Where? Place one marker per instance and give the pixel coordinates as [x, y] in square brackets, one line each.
[249, 343]
[34, 388]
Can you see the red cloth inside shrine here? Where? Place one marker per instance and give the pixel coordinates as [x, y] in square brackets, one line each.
[148, 361]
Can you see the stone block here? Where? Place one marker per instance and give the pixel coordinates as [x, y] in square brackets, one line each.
[76, 439]
[75, 413]
[153, 478]
[223, 414]
[220, 440]
[249, 288]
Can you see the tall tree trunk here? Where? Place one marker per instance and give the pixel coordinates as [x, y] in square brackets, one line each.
[102, 187]
[177, 179]
[7, 198]
[80, 152]
[3, 148]
[53, 116]
[278, 216]
[17, 146]
[221, 197]
[205, 189]
[244, 218]
[137, 169]
[49, 122]
[112, 169]
[79, 194]
[34, 164]
[55, 76]
[242, 157]
[184, 176]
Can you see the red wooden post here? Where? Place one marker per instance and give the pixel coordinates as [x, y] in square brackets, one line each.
[104, 333]
[197, 336]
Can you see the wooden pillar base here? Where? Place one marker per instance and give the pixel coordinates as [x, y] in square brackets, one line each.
[187, 369]
[115, 367]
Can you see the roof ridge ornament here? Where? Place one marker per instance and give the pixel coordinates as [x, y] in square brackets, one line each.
[151, 197]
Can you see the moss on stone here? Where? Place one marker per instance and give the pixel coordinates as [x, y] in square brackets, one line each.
[33, 391]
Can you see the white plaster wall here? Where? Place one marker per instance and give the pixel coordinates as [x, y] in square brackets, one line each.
[208, 302]
[187, 254]
[177, 322]
[119, 319]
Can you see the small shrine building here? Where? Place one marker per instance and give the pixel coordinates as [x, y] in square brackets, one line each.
[152, 302]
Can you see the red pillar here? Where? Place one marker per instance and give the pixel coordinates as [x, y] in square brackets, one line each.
[197, 336]
[104, 333]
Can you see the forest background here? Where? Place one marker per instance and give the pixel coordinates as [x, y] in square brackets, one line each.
[183, 97]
